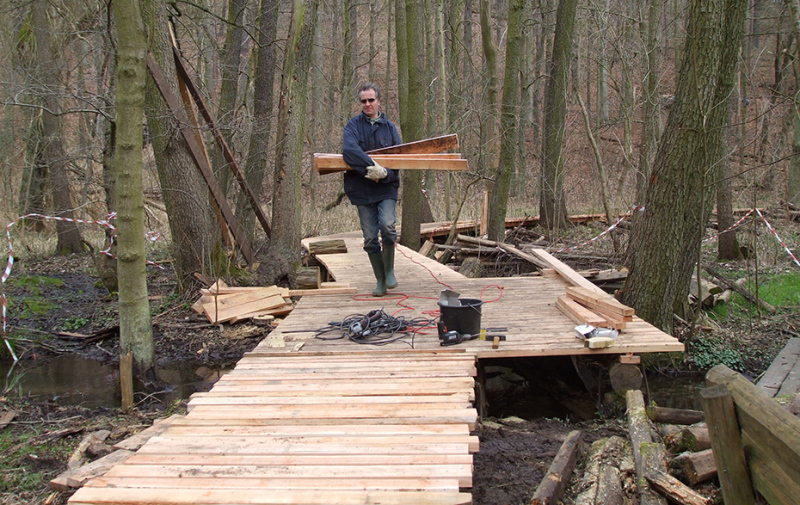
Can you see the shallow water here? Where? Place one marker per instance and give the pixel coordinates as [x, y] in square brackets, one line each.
[72, 380]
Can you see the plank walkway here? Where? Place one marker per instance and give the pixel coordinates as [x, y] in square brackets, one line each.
[335, 422]
[783, 375]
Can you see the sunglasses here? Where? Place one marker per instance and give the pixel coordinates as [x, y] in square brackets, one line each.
[365, 100]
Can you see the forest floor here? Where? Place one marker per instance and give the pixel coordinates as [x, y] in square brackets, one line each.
[53, 294]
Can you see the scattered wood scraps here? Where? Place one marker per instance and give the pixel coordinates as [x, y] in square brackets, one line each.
[231, 304]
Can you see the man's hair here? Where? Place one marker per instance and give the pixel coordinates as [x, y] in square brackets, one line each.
[372, 86]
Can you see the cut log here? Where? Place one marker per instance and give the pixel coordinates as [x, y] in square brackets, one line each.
[551, 488]
[609, 487]
[334, 246]
[693, 438]
[578, 313]
[695, 467]
[7, 417]
[649, 456]
[472, 268]
[428, 248]
[675, 416]
[597, 482]
[625, 377]
[675, 490]
[739, 289]
[308, 277]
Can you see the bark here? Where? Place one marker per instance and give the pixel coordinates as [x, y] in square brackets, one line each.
[226, 111]
[402, 61]
[284, 247]
[651, 127]
[258, 160]
[667, 240]
[552, 205]
[489, 132]
[53, 153]
[413, 125]
[508, 124]
[183, 189]
[135, 328]
[793, 178]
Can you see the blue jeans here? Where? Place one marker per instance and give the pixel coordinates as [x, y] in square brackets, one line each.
[377, 217]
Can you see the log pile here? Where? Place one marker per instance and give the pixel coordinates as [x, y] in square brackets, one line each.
[221, 303]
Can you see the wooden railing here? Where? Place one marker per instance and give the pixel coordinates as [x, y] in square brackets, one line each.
[756, 442]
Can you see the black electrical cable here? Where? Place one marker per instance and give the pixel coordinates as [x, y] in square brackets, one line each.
[375, 328]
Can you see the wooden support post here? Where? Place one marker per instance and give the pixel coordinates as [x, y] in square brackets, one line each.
[676, 490]
[126, 380]
[552, 486]
[484, 227]
[308, 278]
[333, 246]
[480, 390]
[726, 441]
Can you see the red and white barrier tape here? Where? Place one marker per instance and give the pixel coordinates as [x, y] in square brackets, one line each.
[151, 236]
[608, 230]
[778, 238]
[731, 227]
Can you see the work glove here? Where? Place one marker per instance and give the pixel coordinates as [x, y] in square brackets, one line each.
[376, 172]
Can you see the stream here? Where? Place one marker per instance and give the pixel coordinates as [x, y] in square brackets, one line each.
[73, 380]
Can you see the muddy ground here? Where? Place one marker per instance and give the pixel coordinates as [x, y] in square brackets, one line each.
[55, 295]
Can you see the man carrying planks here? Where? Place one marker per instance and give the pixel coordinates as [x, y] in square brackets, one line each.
[371, 187]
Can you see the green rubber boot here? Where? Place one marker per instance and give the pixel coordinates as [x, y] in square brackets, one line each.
[376, 259]
[388, 266]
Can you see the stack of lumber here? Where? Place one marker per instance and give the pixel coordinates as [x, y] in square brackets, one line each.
[428, 154]
[227, 304]
[600, 310]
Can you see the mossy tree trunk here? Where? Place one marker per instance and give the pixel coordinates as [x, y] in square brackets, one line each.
[283, 253]
[413, 124]
[135, 328]
[185, 193]
[552, 204]
[508, 124]
[666, 241]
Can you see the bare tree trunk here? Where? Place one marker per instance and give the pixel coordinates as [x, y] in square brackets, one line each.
[552, 206]
[226, 111]
[667, 240]
[793, 178]
[258, 159]
[284, 248]
[54, 156]
[413, 125]
[508, 123]
[186, 196]
[651, 127]
[135, 327]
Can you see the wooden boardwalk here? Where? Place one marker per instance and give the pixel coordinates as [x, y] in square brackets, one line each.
[325, 422]
[783, 375]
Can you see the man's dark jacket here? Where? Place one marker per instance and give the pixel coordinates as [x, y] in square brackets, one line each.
[360, 136]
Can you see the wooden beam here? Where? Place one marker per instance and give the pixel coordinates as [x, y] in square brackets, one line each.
[566, 272]
[506, 247]
[197, 154]
[425, 146]
[675, 490]
[223, 145]
[326, 163]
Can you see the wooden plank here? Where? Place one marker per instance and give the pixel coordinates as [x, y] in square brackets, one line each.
[243, 296]
[791, 383]
[189, 427]
[603, 301]
[222, 314]
[566, 272]
[179, 496]
[221, 142]
[429, 146]
[368, 483]
[329, 163]
[578, 312]
[242, 243]
[783, 363]
[350, 290]
[454, 463]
